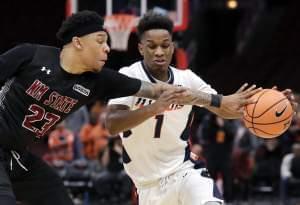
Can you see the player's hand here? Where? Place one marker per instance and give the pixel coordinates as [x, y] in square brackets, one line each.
[154, 90]
[290, 96]
[186, 97]
[233, 105]
[162, 87]
[165, 100]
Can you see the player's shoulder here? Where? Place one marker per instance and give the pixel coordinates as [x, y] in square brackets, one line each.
[34, 49]
[47, 48]
[25, 48]
[131, 70]
[187, 73]
[45, 55]
[190, 79]
[35, 46]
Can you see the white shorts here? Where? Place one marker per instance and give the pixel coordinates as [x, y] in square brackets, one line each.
[186, 187]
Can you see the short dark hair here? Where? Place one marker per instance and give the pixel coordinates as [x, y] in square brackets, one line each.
[154, 20]
[79, 24]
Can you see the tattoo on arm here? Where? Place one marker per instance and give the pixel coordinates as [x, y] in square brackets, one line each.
[201, 98]
[206, 99]
[148, 90]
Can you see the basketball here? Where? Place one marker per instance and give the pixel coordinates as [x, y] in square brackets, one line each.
[270, 115]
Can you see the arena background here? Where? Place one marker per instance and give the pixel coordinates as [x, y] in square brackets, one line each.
[258, 42]
[229, 47]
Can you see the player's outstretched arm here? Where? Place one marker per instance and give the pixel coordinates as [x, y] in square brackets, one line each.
[228, 107]
[232, 106]
[119, 118]
[154, 90]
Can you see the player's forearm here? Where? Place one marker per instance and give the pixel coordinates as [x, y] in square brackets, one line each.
[200, 98]
[149, 90]
[203, 99]
[122, 120]
[213, 103]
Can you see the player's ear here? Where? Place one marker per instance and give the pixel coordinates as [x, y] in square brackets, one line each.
[76, 42]
[141, 48]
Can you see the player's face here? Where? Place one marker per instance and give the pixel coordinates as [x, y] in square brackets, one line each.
[94, 50]
[157, 48]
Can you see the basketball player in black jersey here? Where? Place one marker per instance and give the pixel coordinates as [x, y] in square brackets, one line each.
[42, 85]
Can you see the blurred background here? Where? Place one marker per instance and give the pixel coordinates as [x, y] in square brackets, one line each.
[227, 43]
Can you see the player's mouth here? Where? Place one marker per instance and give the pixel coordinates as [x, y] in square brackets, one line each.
[160, 62]
[103, 60]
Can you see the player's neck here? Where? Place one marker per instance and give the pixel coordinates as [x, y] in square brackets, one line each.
[162, 76]
[159, 74]
[70, 62]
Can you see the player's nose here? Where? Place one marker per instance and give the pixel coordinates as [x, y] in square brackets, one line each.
[159, 51]
[106, 48]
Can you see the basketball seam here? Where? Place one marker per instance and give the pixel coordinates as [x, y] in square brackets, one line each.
[247, 111]
[270, 108]
[268, 123]
[267, 132]
[254, 109]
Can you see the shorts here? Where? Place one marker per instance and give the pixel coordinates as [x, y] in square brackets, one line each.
[30, 180]
[186, 187]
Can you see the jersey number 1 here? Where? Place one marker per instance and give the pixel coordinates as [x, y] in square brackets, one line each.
[157, 131]
[159, 122]
[39, 114]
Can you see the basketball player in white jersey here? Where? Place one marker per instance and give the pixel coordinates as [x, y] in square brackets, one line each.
[156, 156]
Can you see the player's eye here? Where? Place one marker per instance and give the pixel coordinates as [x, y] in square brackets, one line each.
[151, 46]
[165, 46]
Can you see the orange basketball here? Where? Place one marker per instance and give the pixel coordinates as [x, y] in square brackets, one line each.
[270, 115]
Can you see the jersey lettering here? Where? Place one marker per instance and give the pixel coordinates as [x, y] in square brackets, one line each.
[37, 90]
[56, 101]
[60, 103]
[141, 102]
[39, 114]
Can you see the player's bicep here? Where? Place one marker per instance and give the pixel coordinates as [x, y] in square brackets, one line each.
[117, 107]
[114, 114]
[114, 111]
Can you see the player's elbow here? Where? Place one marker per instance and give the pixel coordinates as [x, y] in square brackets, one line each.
[110, 125]
[113, 132]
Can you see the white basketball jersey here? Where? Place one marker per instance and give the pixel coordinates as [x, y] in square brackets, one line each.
[154, 149]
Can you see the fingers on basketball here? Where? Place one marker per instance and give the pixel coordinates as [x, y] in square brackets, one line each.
[271, 114]
[252, 92]
[242, 88]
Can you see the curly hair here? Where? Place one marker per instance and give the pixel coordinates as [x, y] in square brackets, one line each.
[79, 24]
[154, 20]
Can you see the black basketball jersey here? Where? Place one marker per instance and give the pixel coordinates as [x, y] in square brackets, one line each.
[38, 93]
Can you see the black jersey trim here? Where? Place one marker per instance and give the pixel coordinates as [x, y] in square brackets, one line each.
[187, 153]
[185, 135]
[125, 156]
[170, 74]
